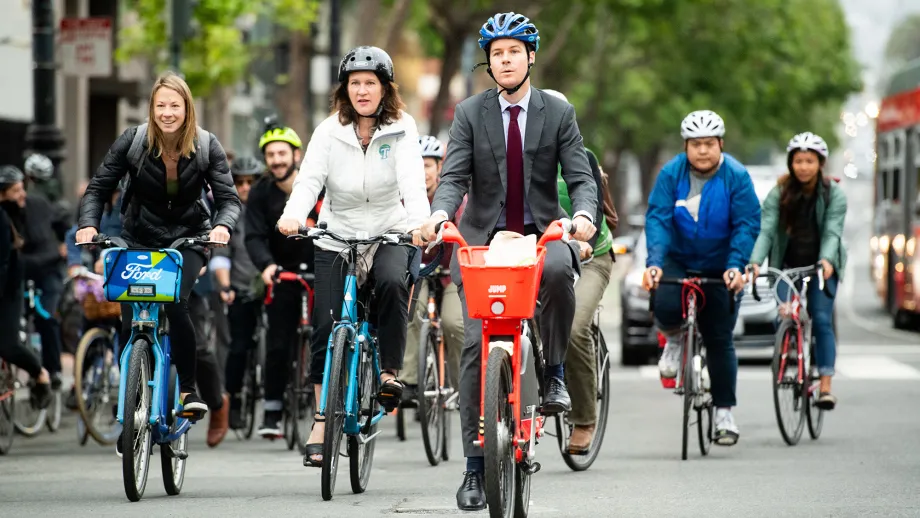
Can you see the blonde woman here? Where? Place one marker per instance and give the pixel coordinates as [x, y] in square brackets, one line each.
[163, 203]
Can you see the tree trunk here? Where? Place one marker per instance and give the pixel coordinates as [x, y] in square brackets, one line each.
[648, 164]
[291, 97]
[451, 63]
[368, 20]
[548, 59]
[396, 24]
[217, 115]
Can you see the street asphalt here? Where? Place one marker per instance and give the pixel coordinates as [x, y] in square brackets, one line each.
[866, 463]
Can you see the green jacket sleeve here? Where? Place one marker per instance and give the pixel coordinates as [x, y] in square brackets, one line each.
[769, 218]
[832, 235]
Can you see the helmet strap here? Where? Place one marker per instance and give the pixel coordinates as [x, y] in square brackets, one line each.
[511, 91]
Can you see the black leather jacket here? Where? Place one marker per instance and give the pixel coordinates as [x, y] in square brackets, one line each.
[153, 218]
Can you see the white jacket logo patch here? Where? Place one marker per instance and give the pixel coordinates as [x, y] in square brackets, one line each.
[384, 151]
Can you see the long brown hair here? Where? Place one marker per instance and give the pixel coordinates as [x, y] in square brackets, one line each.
[792, 192]
[391, 101]
[156, 141]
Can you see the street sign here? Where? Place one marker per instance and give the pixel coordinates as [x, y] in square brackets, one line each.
[86, 47]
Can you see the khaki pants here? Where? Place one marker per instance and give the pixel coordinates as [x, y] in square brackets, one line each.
[580, 366]
[451, 325]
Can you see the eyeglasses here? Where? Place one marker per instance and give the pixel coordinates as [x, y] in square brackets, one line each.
[240, 181]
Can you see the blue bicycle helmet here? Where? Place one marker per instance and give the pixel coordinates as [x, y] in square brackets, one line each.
[509, 25]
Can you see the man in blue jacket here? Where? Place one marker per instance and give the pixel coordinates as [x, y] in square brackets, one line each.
[703, 216]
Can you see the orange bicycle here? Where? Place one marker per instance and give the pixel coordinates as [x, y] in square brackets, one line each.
[505, 298]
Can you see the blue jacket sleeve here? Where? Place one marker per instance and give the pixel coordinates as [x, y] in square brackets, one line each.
[74, 255]
[745, 216]
[659, 215]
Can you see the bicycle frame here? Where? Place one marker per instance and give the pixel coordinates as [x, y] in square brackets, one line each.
[506, 333]
[359, 334]
[159, 345]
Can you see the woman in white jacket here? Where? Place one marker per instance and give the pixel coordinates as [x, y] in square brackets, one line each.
[367, 156]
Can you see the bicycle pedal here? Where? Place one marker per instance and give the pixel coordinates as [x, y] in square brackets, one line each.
[532, 468]
[176, 454]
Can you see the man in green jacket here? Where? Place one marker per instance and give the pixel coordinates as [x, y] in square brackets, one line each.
[597, 264]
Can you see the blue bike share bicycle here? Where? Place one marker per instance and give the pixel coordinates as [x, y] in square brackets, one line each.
[148, 391]
[351, 375]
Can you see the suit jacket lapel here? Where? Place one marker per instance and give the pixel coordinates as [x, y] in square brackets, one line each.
[533, 133]
[492, 115]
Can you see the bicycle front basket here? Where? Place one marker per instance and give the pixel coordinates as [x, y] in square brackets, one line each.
[499, 291]
[138, 275]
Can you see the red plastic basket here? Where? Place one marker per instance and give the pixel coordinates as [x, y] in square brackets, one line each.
[499, 291]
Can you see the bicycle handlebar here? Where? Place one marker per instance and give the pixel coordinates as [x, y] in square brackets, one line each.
[790, 275]
[104, 241]
[321, 231]
[561, 229]
[699, 281]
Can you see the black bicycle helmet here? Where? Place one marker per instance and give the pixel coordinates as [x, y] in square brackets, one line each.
[9, 175]
[247, 166]
[367, 59]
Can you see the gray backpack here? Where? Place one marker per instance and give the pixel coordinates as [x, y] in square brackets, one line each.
[137, 155]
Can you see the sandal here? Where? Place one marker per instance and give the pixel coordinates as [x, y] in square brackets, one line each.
[826, 401]
[390, 392]
[313, 450]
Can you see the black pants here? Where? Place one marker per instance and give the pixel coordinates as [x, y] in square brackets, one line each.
[283, 321]
[243, 318]
[11, 349]
[388, 273]
[51, 286]
[207, 371]
[181, 330]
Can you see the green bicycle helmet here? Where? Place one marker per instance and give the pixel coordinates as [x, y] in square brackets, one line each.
[275, 132]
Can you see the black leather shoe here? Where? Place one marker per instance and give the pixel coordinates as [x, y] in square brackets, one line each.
[471, 496]
[557, 397]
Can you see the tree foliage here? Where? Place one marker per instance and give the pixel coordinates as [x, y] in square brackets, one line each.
[215, 53]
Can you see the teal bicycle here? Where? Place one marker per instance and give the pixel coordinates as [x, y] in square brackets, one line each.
[351, 375]
[148, 390]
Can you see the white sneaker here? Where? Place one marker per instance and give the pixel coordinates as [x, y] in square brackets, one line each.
[726, 429]
[669, 363]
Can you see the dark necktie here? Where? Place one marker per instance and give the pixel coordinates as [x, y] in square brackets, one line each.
[514, 201]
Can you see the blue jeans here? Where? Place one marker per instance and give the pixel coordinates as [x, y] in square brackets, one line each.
[716, 325]
[821, 310]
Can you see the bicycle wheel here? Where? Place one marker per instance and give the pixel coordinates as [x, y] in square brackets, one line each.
[688, 388]
[787, 392]
[94, 389]
[301, 398]
[334, 412]
[249, 395]
[360, 449]
[136, 438]
[564, 427]
[430, 403]
[704, 411]
[173, 462]
[498, 436]
[28, 420]
[7, 406]
[815, 415]
[53, 417]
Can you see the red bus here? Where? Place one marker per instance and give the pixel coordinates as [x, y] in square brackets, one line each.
[896, 222]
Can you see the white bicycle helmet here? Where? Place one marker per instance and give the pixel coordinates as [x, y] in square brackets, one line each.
[702, 124]
[39, 167]
[808, 141]
[556, 94]
[431, 147]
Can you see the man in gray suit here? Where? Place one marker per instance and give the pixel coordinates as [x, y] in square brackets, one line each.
[505, 145]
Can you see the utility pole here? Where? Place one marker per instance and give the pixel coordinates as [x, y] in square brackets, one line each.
[43, 136]
[179, 28]
[335, 41]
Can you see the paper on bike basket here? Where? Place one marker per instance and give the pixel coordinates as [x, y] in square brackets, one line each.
[511, 249]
